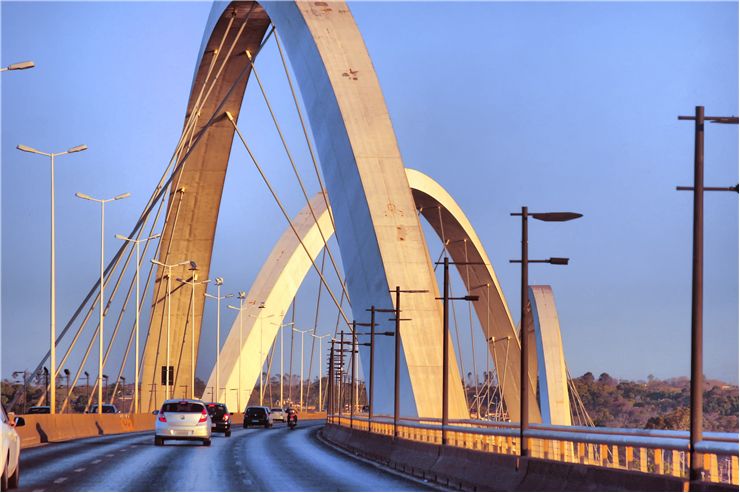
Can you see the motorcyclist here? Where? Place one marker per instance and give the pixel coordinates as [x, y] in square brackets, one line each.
[292, 417]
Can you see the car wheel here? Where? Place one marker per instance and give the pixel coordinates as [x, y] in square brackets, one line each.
[228, 433]
[246, 425]
[158, 441]
[4, 478]
[207, 442]
[15, 478]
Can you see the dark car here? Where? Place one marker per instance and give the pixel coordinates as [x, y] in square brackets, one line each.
[220, 418]
[257, 415]
[39, 410]
[107, 409]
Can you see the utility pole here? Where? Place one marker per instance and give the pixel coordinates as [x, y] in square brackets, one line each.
[697, 286]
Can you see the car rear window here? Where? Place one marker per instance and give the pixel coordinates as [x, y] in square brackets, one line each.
[182, 407]
[217, 409]
[276, 410]
[256, 411]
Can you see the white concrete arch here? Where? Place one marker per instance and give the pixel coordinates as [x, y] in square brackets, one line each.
[286, 267]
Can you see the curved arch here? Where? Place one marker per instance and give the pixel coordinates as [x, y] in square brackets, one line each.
[551, 370]
[282, 274]
[380, 236]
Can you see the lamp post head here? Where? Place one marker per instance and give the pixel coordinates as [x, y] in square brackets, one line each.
[122, 196]
[242, 295]
[83, 196]
[558, 261]
[23, 148]
[219, 281]
[471, 297]
[78, 148]
[66, 371]
[121, 237]
[556, 216]
[21, 65]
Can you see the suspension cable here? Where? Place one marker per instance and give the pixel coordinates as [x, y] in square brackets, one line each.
[470, 316]
[305, 131]
[297, 174]
[315, 325]
[287, 217]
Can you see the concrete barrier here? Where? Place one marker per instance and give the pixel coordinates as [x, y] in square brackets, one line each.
[464, 469]
[43, 428]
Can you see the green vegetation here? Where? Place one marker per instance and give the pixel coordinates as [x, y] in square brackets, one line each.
[661, 404]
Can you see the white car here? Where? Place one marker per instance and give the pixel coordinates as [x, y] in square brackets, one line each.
[278, 414]
[11, 451]
[185, 419]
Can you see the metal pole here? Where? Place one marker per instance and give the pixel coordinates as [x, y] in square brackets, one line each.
[372, 363]
[524, 366]
[321, 371]
[169, 313]
[330, 406]
[102, 289]
[241, 323]
[301, 405]
[445, 349]
[340, 397]
[397, 364]
[352, 377]
[192, 338]
[262, 361]
[136, 362]
[697, 301]
[218, 339]
[53, 361]
[282, 373]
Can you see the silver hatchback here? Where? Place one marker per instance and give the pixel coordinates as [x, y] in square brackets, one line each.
[185, 419]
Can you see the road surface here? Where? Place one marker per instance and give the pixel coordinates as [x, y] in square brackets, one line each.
[256, 459]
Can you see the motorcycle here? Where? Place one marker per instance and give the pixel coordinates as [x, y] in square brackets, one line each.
[292, 419]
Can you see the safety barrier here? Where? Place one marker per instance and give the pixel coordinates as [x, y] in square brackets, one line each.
[43, 428]
[659, 452]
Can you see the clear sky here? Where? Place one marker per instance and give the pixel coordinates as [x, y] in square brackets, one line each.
[558, 106]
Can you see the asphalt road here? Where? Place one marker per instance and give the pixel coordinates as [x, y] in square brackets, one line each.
[256, 459]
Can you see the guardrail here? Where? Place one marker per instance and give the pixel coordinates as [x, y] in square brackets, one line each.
[663, 452]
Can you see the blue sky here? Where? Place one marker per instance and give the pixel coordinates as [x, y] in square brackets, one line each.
[558, 106]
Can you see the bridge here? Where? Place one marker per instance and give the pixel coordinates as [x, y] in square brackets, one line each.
[391, 382]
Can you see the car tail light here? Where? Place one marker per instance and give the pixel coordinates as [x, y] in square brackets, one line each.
[226, 417]
[204, 416]
[162, 418]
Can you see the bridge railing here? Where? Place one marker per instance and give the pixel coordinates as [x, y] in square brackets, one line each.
[662, 452]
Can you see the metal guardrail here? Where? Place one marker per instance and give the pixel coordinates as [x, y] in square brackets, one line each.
[652, 451]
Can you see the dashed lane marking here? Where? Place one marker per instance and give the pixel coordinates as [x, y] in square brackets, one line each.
[60, 480]
[109, 455]
[97, 461]
[79, 469]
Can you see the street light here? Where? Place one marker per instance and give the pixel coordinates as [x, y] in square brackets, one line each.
[697, 287]
[524, 366]
[445, 340]
[136, 242]
[18, 66]
[241, 297]
[169, 268]
[218, 298]
[300, 406]
[102, 203]
[282, 374]
[52, 349]
[321, 367]
[192, 282]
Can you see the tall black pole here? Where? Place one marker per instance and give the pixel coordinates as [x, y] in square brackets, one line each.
[697, 281]
[340, 397]
[397, 364]
[352, 378]
[524, 366]
[445, 350]
[372, 363]
[330, 382]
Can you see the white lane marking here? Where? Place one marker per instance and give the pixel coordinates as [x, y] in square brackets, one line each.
[79, 469]
[60, 480]
[97, 461]
[40, 489]
[109, 455]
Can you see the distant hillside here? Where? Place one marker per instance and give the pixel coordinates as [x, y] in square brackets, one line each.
[662, 404]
